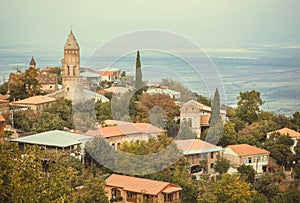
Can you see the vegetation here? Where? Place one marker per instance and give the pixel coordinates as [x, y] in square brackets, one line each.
[22, 180]
[215, 123]
[4, 88]
[24, 84]
[138, 73]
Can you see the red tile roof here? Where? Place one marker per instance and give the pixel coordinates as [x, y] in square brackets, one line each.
[196, 145]
[247, 150]
[34, 100]
[138, 185]
[125, 129]
[286, 131]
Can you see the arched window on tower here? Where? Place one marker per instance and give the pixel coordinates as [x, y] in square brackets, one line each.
[68, 70]
[74, 70]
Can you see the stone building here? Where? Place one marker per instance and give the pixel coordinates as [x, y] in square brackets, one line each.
[71, 79]
[197, 116]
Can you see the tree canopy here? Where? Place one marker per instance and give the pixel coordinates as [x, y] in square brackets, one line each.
[248, 106]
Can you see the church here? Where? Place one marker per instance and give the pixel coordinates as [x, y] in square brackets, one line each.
[72, 82]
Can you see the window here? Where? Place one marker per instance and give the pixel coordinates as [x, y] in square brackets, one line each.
[190, 122]
[211, 165]
[68, 89]
[50, 87]
[131, 197]
[249, 160]
[211, 155]
[113, 145]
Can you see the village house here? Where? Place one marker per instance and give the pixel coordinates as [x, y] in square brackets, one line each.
[90, 80]
[36, 103]
[137, 190]
[48, 82]
[117, 91]
[248, 155]
[197, 116]
[110, 74]
[164, 90]
[116, 135]
[196, 150]
[294, 135]
[57, 140]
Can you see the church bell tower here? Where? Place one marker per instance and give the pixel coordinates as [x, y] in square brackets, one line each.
[71, 79]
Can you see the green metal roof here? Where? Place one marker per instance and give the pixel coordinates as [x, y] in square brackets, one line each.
[56, 138]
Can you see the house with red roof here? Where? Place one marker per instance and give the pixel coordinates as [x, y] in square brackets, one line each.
[132, 189]
[294, 135]
[116, 135]
[240, 154]
[196, 150]
[36, 103]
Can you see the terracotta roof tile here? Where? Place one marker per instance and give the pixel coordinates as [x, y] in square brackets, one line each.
[247, 150]
[125, 129]
[286, 131]
[35, 100]
[49, 78]
[138, 185]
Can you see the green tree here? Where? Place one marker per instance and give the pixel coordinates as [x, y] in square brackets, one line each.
[222, 165]
[63, 108]
[4, 88]
[138, 72]
[228, 136]
[33, 87]
[46, 122]
[23, 120]
[156, 109]
[267, 185]
[215, 123]
[290, 195]
[247, 173]
[232, 189]
[248, 106]
[296, 121]
[103, 111]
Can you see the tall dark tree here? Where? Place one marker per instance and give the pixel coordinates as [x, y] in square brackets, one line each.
[215, 124]
[138, 72]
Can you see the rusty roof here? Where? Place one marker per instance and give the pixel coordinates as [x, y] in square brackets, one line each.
[139, 185]
[247, 150]
[286, 131]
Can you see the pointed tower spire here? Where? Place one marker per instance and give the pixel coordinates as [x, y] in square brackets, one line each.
[71, 42]
[32, 62]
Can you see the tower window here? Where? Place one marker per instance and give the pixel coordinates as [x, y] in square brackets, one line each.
[68, 89]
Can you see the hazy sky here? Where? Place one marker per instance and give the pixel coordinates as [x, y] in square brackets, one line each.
[206, 22]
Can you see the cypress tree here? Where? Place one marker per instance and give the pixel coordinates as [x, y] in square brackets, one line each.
[215, 123]
[138, 72]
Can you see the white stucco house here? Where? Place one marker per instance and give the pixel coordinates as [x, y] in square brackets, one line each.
[240, 154]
